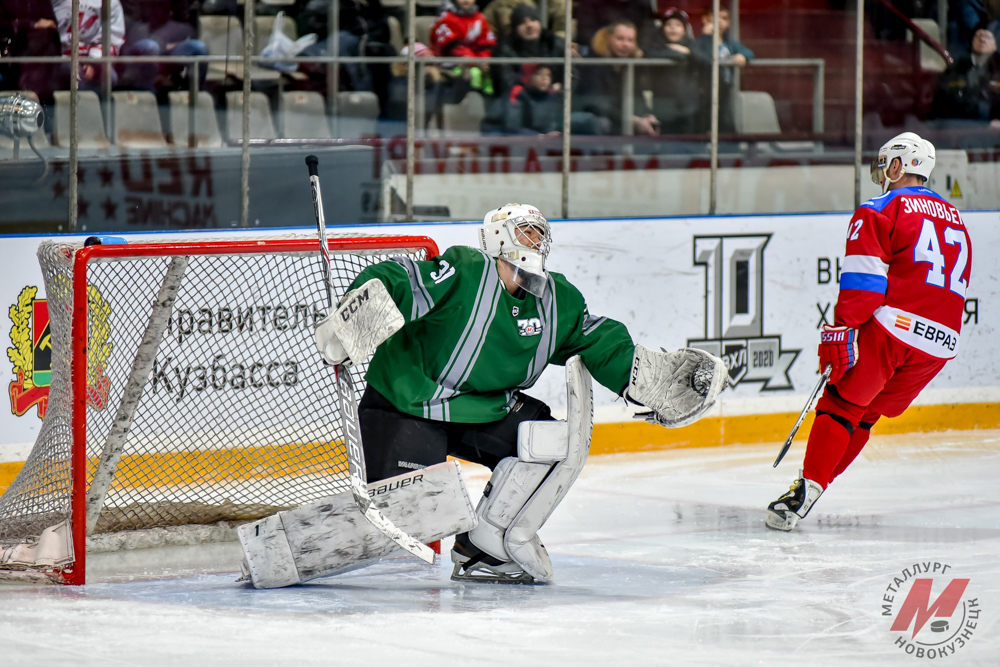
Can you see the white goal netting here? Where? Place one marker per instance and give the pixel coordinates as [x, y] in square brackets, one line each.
[234, 415]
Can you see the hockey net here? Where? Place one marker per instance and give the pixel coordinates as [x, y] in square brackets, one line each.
[185, 391]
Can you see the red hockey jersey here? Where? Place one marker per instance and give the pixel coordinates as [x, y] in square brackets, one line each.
[907, 265]
[462, 36]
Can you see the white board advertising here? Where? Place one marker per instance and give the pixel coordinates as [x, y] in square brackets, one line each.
[754, 289]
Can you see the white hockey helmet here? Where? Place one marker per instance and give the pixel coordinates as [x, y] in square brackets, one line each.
[520, 235]
[915, 154]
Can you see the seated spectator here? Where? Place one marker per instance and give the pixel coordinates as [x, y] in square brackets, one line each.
[462, 31]
[154, 28]
[601, 87]
[498, 13]
[28, 28]
[396, 106]
[592, 15]
[676, 88]
[533, 106]
[732, 54]
[364, 30]
[90, 39]
[965, 18]
[527, 39]
[970, 88]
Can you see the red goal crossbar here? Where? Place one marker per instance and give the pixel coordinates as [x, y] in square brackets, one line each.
[76, 574]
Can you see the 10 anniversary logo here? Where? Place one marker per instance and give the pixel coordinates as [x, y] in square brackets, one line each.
[734, 311]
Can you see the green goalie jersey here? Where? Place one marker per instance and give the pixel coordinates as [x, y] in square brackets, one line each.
[468, 344]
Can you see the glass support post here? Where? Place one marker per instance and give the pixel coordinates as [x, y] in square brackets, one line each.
[106, 67]
[411, 110]
[859, 56]
[567, 135]
[713, 176]
[248, 35]
[628, 100]
[333, 69]
[74, 94]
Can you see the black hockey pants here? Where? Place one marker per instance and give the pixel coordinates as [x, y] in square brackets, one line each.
[395, 442]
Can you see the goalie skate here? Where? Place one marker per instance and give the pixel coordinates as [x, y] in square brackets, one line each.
[473, 564]
[785, 512]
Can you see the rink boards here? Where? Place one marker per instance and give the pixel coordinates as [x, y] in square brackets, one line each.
[753, 289]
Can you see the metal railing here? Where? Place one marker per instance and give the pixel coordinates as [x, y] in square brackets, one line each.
[416, 113]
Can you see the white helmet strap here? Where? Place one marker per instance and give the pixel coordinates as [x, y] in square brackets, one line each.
[886, 181]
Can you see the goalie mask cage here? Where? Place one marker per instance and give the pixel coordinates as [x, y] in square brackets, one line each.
[186, 390]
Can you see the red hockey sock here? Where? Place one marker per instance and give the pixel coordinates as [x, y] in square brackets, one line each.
[828, 441]
[858, 441]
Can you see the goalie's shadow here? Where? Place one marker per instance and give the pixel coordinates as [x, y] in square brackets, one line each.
[409, 586]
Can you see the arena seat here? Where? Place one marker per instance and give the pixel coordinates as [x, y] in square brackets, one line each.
[754, 113]
[423, 25]
[223, 35]
[466, 116]
[261, 124]
[303, 115]
[395, 33]
[90, 121]
[136, 120]
[930, 60]
[205, 121]
[358, 113]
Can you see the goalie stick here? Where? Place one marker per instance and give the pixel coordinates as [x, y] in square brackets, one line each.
[802, 415]
[348, 408]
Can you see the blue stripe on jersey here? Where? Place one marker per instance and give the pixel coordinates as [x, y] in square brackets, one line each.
[864, 281]
[880, 202]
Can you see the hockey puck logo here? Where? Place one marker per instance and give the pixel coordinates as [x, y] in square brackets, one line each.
[933, 612]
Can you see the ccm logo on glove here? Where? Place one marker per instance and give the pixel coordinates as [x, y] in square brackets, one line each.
[352, 306]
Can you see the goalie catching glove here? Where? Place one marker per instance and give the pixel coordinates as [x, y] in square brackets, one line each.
[677, 387]
[366, 317]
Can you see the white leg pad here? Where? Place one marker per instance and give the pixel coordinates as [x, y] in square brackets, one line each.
[332, 536]
[509, 489]
[525, 491]
[53, 548]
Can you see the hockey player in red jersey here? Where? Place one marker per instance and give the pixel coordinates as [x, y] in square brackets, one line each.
[897, 320]
[462, 31]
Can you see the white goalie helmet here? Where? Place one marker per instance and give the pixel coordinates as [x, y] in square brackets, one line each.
[915, 154]
[520, 235]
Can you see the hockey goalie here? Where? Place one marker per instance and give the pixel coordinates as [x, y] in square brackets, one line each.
[457, 339]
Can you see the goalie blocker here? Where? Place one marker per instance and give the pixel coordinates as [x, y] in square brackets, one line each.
[331, 536]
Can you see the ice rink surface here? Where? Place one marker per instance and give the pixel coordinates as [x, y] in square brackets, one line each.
[660, 558]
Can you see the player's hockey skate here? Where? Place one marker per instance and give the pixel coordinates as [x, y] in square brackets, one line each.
[473, 564]
[786, 511]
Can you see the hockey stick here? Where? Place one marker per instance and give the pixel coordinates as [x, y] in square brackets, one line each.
[348, 407]
[802, 415]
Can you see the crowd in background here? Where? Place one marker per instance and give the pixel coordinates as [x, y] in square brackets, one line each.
[520, 99]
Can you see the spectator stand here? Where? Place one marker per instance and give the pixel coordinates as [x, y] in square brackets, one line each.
[350, 116]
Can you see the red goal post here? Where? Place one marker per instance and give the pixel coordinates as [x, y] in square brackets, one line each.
[189, 446]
